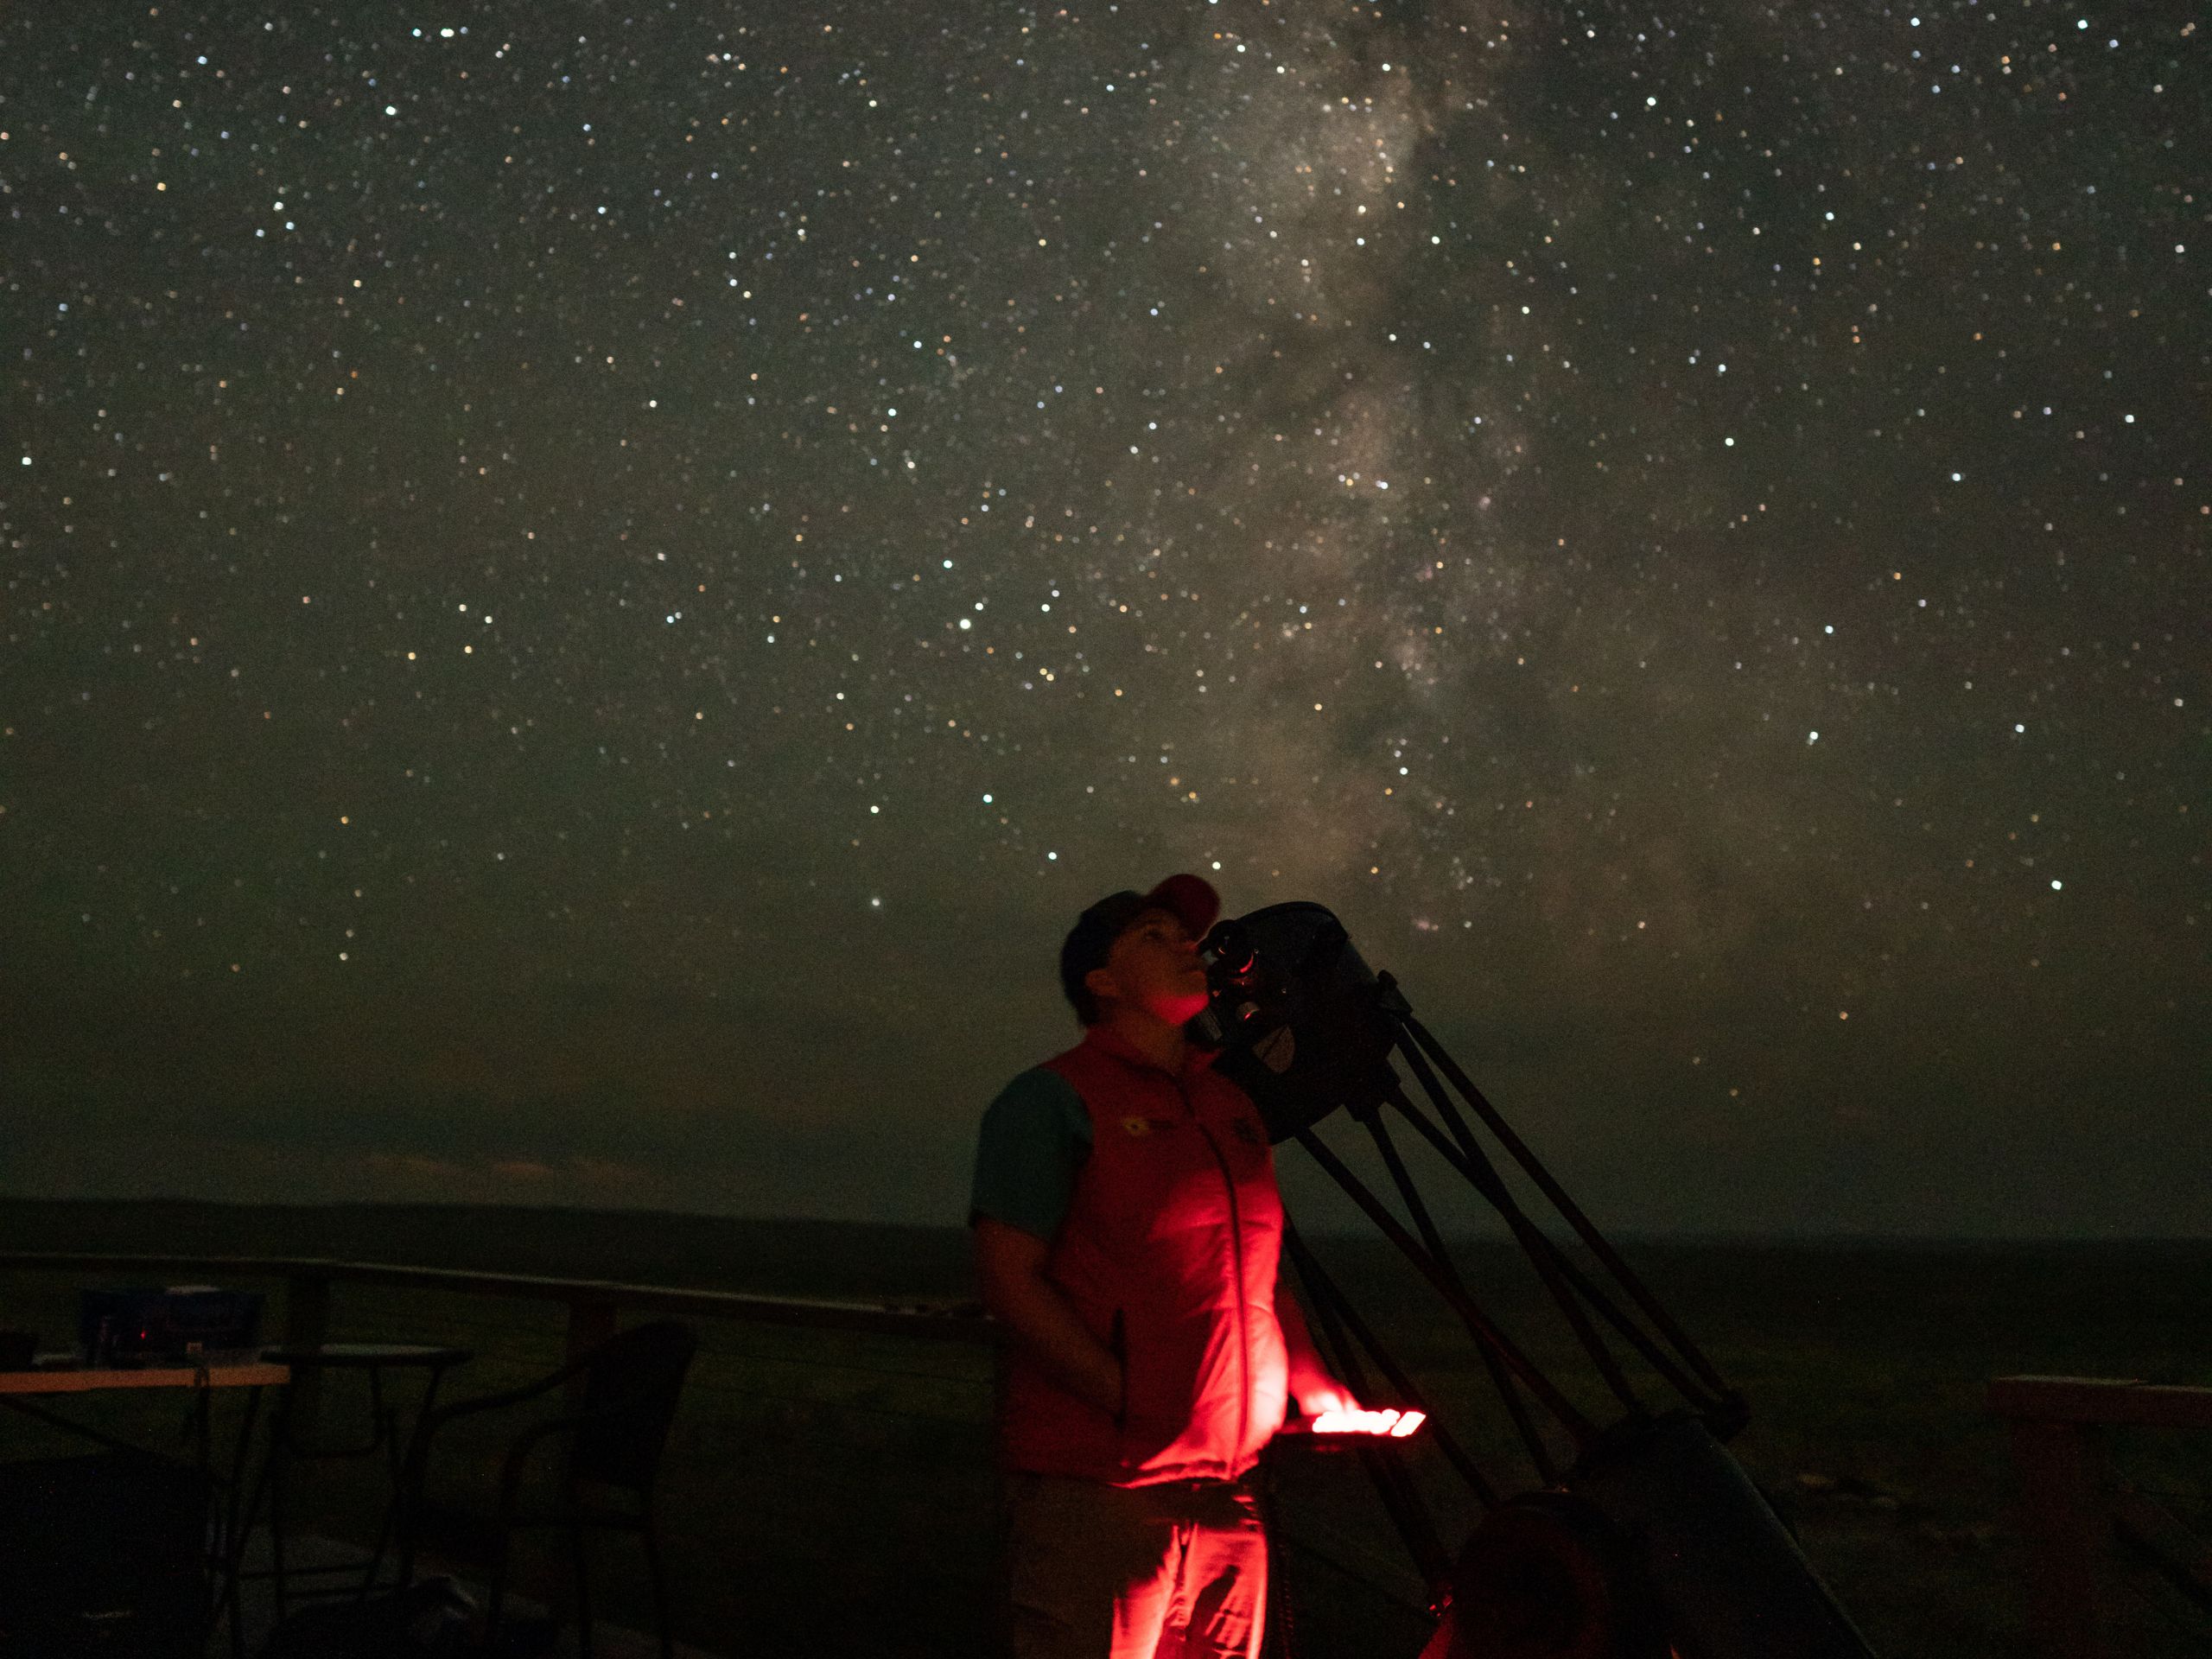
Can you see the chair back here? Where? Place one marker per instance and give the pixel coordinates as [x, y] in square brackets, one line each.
[631, 1385]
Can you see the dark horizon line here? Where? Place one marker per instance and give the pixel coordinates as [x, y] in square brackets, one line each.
[1836, 1239]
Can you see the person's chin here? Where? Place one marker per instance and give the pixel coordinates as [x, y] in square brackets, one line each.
[1181, 1010]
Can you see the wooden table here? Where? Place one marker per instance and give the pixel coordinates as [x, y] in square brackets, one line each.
[52, 1374]
[62, 1374]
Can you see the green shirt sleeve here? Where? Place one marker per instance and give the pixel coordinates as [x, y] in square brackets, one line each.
[1035, 1137]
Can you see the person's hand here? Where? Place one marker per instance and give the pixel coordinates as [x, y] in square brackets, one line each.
[1324, 1394]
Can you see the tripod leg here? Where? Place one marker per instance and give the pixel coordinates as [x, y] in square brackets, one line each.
[1480, 1174]
[1517, 1408]
[1479, 1323]
[1567, 1207]
[1530, 1237]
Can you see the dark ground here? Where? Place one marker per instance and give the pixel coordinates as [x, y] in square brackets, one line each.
[836, 1490]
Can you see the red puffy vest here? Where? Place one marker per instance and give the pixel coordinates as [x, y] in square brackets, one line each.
[1168, 1253]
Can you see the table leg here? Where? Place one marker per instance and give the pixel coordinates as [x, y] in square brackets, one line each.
[228, 1564]
[397, 1458]
[237, 1516]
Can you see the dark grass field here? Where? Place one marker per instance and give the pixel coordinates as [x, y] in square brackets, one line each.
[833, 1493]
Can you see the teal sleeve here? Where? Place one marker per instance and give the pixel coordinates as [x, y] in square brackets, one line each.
[1035, 1137]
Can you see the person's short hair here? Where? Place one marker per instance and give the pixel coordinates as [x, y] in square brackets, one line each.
[1191, 899]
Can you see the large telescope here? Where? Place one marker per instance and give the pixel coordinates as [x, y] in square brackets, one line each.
[1639, 1533]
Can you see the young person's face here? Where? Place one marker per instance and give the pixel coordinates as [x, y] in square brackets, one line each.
[1154, 965]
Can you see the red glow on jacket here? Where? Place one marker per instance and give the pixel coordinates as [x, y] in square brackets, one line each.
[1169, 1254]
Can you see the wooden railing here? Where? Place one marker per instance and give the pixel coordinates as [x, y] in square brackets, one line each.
[593, 1304]
[2073, 1512]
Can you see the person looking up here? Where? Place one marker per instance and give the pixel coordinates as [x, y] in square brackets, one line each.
[1128, 1231]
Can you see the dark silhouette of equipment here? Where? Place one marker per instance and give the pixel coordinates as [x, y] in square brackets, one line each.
[1642, 1532]
[613, 1444]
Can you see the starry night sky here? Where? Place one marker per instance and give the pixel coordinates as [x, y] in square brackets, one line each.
[590, 589]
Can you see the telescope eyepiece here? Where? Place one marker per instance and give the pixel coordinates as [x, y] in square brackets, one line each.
[1231, 949]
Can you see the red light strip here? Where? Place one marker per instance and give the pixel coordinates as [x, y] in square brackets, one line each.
[1395, 1424]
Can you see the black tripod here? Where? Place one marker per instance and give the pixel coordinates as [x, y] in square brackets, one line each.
[1638, 1535]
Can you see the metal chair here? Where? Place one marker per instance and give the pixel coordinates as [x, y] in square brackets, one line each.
[630, 1385]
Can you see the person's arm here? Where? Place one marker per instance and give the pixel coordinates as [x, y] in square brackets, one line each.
[1010, 1267]
[1311, 1385]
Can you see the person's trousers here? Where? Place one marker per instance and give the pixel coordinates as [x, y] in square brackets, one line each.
[1176, 1571]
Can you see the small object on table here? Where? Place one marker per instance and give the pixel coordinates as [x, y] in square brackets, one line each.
[136, 1326]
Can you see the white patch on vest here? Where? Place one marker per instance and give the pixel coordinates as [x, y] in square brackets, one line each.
[1137, 1125]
